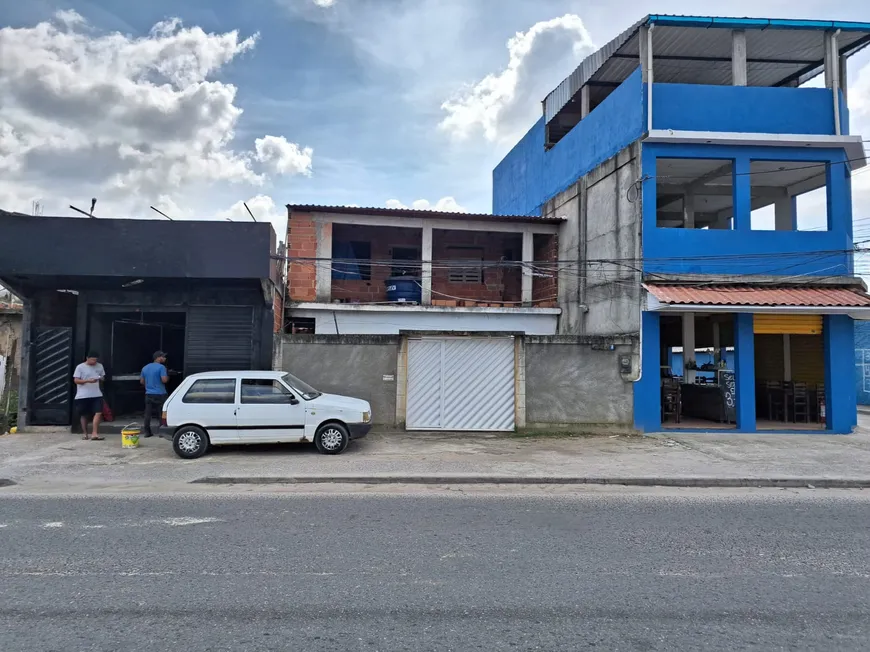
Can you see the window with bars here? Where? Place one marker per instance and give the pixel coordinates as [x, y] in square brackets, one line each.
[466, 264]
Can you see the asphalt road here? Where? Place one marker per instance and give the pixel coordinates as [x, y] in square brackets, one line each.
[602, 570]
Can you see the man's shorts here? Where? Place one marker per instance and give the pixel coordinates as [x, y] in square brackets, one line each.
[88, 407]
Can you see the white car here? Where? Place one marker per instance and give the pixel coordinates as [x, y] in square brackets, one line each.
[260, 407]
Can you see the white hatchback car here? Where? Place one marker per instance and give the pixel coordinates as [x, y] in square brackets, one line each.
[260, 407]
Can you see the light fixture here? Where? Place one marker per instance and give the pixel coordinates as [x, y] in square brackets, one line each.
[132, 283]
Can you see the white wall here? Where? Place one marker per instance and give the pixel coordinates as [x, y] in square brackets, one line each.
[391, 322]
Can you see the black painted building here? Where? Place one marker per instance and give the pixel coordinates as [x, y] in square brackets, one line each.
[202, 291]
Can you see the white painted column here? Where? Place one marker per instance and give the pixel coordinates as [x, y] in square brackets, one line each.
[783, 213]
[688, 346]
[689, 210]
[786, 356]
[844, 77]
[323, 264]
[585, 102]
[528, 259]
[832, 74]
[739, 76]
[646, 66]
[426, 268]
[717, 344]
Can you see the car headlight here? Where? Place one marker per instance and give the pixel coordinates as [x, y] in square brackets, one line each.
[367, 416]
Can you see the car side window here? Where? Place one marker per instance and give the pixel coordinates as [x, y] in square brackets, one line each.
[265, 391]
[211, 390]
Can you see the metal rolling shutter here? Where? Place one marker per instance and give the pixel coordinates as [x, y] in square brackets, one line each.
[787, 324]
[808, 359]
[461, 384]
[219, 339]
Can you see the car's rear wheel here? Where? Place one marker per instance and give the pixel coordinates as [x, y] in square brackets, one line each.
[190, 442]
[331, 438]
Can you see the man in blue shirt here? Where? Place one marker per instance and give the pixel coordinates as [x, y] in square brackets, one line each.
[154, 378]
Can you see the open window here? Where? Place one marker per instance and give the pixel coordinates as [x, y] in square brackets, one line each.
[411, 258]
[694, 193]
[789, 195]
[352, 260]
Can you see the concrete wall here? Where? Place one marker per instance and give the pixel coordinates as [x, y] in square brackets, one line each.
[757, 109]
[602, 224]
[577, 381]
[350, 365]
[862, 362]
[530, 175]
[10, 355]
[351, 319]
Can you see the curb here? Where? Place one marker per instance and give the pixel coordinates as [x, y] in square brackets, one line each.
[793, 483]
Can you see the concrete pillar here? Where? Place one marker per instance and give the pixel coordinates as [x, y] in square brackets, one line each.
[528, 259]
[584, 101]
[829, 59]
[739, 74]
[783, 214]
[717, 343]
[688, 346]
[744, 371]
[323, 264]
[742, 195]
[646, 66]
[844, 78]
[648, 388]
[786, 357]
[426, 270]
[689, 210]
[840, 400]
[832, 75]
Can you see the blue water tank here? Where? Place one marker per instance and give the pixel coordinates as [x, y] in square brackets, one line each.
[403, 289]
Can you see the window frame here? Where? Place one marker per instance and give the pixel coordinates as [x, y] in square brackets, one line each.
[234, 381]
[471, 275]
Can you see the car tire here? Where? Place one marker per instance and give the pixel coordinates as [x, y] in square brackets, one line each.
[190, 442]
[331, 438]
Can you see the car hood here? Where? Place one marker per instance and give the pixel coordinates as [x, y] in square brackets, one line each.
[340, 402]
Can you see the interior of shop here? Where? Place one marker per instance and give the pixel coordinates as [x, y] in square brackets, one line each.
[789, 371]
[126, 342]
[699, 392]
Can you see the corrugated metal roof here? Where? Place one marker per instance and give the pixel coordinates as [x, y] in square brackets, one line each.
[429, 214]
[686, 49]
[748, 295]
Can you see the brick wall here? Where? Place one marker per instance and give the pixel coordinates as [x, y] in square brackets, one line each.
[278, 311]
[500, 283]
[544, 282]
[301, 243]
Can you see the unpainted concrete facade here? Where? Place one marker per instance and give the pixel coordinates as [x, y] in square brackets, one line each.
[599, 285]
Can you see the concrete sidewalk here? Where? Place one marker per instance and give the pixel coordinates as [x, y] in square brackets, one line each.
[45, 459]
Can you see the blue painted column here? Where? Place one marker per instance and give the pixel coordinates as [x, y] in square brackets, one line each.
[742, 195]
[647, 390]
[840, 399]
[744, 369]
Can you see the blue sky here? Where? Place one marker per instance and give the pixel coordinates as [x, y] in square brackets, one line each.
[362, 101]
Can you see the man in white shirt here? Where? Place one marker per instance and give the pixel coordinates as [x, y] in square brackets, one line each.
[89, 397]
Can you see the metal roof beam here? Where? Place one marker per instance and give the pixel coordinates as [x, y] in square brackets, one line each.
[679, 57]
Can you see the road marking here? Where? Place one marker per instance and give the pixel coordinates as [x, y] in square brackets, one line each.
[53, 524]
[189, 520]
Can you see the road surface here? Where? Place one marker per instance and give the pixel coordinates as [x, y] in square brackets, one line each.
[610, 570]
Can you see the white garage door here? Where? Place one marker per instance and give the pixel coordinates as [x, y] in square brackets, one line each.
[460, 384]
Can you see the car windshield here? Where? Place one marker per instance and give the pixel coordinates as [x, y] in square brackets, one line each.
[305, 390]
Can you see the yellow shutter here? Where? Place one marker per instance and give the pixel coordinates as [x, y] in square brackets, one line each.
[791, 324]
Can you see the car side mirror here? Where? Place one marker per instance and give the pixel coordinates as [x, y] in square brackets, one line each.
[294, 400]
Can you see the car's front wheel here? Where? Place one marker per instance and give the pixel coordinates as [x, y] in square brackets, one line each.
[331, 438]
[190, 442]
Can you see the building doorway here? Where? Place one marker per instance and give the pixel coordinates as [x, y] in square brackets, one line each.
[789, 372]
[698, 378]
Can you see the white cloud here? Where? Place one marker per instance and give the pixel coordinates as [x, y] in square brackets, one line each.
[324, 3]
[283, 157]
[445, 204]
[134, 121]
[503, 102]
[264, 209]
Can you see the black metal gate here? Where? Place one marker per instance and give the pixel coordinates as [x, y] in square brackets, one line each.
[52, 376]
[219, 339]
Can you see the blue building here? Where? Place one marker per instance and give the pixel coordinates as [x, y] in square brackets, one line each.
[706, 198]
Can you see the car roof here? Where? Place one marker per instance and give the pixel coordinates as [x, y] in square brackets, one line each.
[237, 374]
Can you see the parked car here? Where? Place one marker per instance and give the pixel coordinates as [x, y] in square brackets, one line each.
[260, 407]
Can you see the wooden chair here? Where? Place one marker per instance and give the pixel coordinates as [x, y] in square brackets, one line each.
[775, 400]
[800, 403]
[672, 404]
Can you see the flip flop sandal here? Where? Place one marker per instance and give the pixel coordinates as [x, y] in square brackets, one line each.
[97, 438]
[85, 438]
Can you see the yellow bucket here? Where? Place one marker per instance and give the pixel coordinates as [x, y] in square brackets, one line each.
[130, 437]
